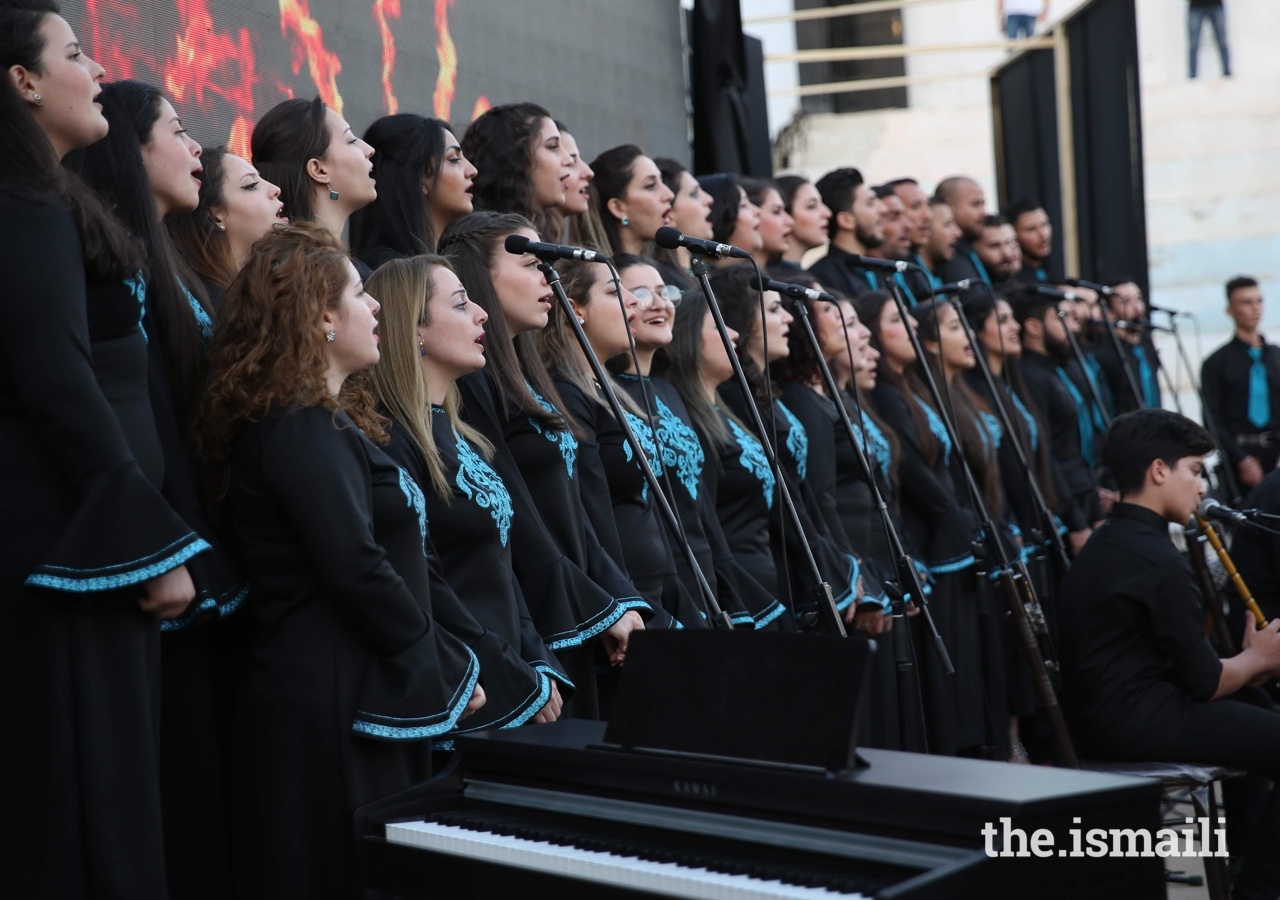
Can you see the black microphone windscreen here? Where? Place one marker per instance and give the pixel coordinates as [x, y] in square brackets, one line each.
[517, 243]
[667, 238]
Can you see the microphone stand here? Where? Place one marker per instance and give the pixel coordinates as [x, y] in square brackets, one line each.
[717, 617]
[1122, 357]
[1014, 582]
[1042, 506]
[1196, 543]
[908, 574]
[827, 611]
[1084, 366]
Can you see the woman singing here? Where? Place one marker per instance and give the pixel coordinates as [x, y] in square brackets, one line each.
[91, 554]
[776, 224]
[809, 218]
[633, 200]
[523, 166]
[574, 590]
[324, 171]
[237, 206]
[734, 218]
[425, 183]
[690, 214]
[351, 674]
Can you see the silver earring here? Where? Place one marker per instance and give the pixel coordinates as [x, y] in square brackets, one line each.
[333, 195]
[331, 335]
[582, 320]
[625, 221]
[37, 99]
[422, 349]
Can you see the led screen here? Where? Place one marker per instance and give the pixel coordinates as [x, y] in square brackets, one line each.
[612, 70]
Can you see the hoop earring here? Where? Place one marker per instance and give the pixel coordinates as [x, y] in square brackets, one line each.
[333, 195]
[330, 335]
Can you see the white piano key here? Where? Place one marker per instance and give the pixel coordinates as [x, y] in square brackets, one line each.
[598, 866]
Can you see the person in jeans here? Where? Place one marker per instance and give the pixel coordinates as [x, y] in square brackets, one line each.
[1197, 13]
[1018, 17]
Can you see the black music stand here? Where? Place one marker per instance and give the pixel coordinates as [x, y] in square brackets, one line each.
[762, 698]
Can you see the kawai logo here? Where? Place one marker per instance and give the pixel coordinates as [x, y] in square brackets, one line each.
[211, 67]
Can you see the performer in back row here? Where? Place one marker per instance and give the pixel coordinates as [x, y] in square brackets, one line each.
[1142, 681]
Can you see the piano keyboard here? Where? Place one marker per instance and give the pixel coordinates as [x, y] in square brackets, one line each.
[605, 868]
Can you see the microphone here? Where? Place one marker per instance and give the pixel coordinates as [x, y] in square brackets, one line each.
[1091, 285]
[951, 287]
[1151, 307]
[1212, 509]
[1142, 326]
[798, 291]
[669, 239]
[875, 262]
[1054, 293]
[518, 244]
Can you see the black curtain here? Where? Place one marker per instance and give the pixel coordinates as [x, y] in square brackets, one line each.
[727, 118]
[1107, 126]
[1027, 164]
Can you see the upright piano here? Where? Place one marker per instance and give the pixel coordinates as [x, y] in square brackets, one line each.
[551, 811]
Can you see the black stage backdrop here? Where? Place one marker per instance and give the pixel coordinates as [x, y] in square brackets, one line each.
[611, 70]
[1026, 120]
[1107, 140]
[1107, 126]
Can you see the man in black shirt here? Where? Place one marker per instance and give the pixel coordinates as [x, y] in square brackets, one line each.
[854, 228]
[1141, 681]
[999, 250]
[1241, 386]
[1035, 238]
[969, 208]
[1073, 432]
[897, 244]
[1140, 365]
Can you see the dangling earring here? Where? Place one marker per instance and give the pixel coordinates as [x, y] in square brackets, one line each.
[37, 99]
[625, 221]
[330, 335]
[333, 195]
[422, 349]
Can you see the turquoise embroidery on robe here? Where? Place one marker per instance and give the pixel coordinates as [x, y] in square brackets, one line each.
[202, 317]
[797, 442]
[938, 428]
[567, 442]
[644, 434]
[413, 497]
[484, 487]
[681, 448]
[137, 286]
[1031, 421]
[994, 432]
[873, 442]
[754, 460]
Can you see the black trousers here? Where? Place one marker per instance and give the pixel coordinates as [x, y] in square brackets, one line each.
[1243, 732]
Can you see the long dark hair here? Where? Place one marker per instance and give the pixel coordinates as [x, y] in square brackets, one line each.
[735, 290]
[966, 412]
[613, 170]
[725, 199]
[977, 310]
[29, 165]
[196, 235]
[870, 307]
[472, 244]
[114, 168]
[680, 363]
[500, 145]
[408, 150]
[292, 132]
[801, 363]
[787, 186]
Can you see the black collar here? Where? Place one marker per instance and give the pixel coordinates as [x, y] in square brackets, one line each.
[1135, 513]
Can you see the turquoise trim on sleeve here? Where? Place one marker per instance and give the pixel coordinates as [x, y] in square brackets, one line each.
[551, 672]
[582, 636]
[195, 610]
[770, 614]
[76, 582]
[417, 732]
[956, 565]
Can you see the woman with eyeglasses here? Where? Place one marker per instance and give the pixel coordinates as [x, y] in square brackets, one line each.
[615, 492]
[690, 485]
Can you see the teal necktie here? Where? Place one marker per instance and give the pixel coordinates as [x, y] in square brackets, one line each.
[1259, 392]
[910, 295]
[1083, 420]
[1147, 379]
[871, 279]
[982, 270]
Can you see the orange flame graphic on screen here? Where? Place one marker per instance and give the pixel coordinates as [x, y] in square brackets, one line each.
[208, 62]
[295, 16]
[107, 22]
[383, 11]
[482, 106]
[447, 54]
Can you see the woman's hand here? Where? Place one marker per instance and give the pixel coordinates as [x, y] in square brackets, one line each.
[476, 701]
[615, 639]
[168, 595]
[551, 709]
